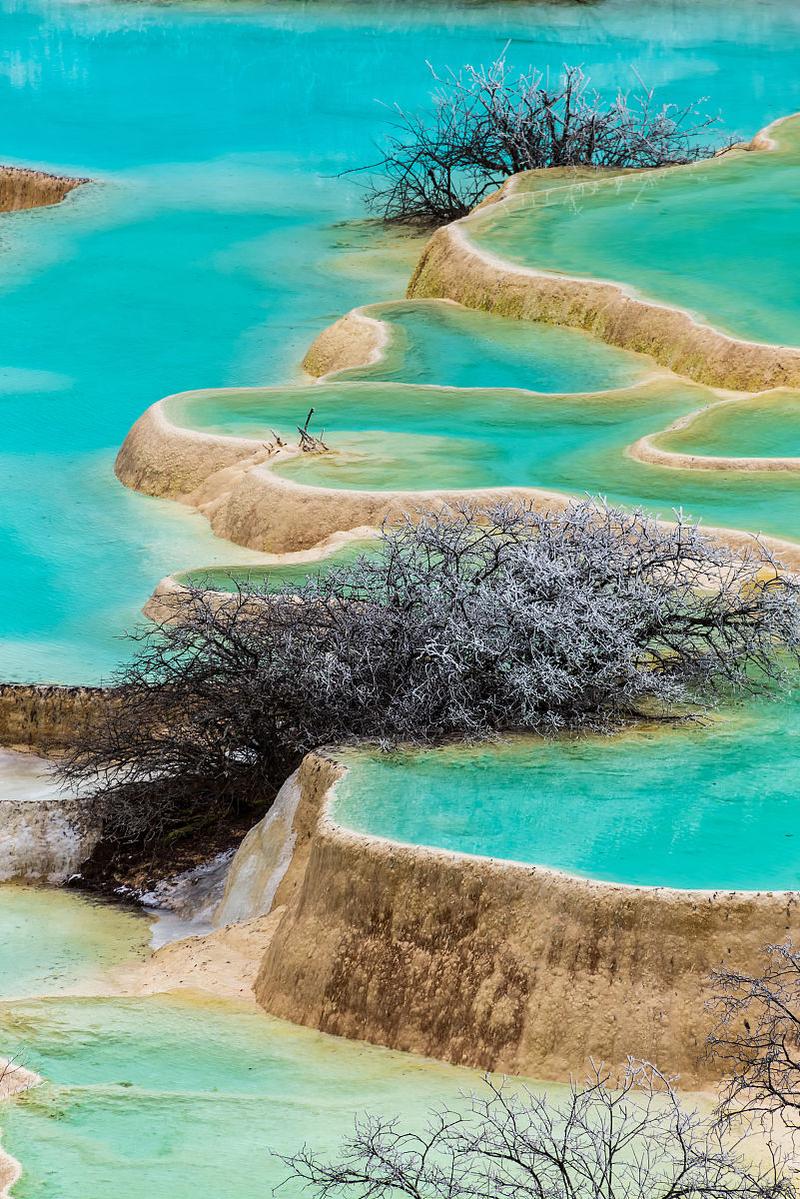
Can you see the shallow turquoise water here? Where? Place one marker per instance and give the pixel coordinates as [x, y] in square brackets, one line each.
[53, 942]
[211, 253]
[434, 342]
[172, 1096]
[386, 436]
[175, 1097]
[709, 807]
[719, 239]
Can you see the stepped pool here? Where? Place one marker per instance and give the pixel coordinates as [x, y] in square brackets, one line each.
[211, 249]
[709, 807]
[397, 436]
[715, 238]
[441, 343]
[273, 577]
[764, 426]
[215, 242]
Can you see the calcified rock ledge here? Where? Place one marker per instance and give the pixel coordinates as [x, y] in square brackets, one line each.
[452, 267]
[494, 964]
[21, 188]
[44, 716]
[357, 339]
[647, 450]
[46, 841]
[229, 480]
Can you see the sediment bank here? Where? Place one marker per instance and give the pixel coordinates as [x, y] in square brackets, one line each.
[493, 964]
[21, 187]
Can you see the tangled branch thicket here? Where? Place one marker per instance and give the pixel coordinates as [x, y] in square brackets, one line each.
[757, 1040]
[462, 623]
[626, 1138]
[487, 123]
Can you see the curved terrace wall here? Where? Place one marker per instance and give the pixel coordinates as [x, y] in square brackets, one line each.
[494, 964]
[230, 481]
[453, 267]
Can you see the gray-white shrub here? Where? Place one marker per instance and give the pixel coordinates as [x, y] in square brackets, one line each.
[461, 624]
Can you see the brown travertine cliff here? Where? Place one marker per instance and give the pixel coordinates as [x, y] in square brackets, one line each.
[494, 964]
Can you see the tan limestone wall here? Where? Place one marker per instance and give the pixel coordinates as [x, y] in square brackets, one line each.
[21, 187]
[452, 268]
[164, 459]
[355, 340]
[44, 717]
[494, 964]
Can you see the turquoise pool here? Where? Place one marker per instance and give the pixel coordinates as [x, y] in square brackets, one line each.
[212, 250]
[710, 807]
[436, 342]
[717, 238]
[270, 578]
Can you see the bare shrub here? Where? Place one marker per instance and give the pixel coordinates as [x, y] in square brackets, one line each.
[462, 623]
[487, 123]
[757, 1039]
[622, 1138]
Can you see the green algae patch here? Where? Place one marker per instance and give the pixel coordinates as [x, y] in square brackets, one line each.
[704, 807]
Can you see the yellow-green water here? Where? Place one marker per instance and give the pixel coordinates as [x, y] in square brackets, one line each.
[764, 426]
[173, 1096]
[282, 574]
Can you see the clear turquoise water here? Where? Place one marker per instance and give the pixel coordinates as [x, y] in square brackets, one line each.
[212, 251]
[719, 238]
[709, 807]
[386, 436]
[766, 426]
[434, 342]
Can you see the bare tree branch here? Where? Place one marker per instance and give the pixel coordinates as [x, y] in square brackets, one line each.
[462, 623]
[611, 1138]
[487, 123]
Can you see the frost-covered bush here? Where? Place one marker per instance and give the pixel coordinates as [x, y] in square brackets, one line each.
[461, 624]
[486, 123]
